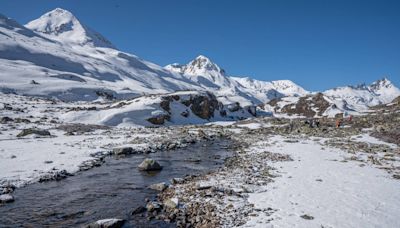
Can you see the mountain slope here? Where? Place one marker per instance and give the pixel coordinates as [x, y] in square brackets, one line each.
[77, 71]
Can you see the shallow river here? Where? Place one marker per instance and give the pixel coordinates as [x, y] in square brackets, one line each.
[112, 190]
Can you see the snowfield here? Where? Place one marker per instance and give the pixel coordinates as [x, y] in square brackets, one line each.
[320, 184]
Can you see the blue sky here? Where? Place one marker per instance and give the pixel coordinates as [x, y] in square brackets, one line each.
[317, 44]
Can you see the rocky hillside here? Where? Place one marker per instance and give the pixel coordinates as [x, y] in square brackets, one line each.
[164, 109]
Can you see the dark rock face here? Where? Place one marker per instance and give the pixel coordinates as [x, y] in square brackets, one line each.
[159, 119]
[223, 113]
[149, 165]
[306, 104]
[31, 131]
[252, 110]
[105, 95]
[164, 104]
[396, 100]
[6, 119]
[204, 106]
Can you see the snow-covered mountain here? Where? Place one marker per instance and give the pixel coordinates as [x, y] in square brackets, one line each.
[211, 77]
[285, 87]
[58, 56]
[347, 99]
[62, 25]
[50, 62]
[362, 97]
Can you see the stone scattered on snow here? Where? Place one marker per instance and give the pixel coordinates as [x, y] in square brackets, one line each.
[31, 131]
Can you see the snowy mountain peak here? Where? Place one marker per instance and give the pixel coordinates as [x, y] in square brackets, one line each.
[202, 64]
[380, 84]
[61, 25]
[203, 71]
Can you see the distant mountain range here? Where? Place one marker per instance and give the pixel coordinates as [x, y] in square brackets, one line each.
[58, 56]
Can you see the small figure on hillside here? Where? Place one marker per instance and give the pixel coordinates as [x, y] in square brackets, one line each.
[338, 123]
[291, 125]
[317, 123]
[350, 118]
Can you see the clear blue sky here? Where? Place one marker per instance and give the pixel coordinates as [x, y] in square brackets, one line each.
[317, 44]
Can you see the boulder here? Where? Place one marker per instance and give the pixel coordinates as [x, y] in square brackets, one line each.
[171, 203]
[159, 187]
[153, 206]
[234, 107]
[164, 104]
[149, 165]
[122, 150]
[6, 198]
[107, 223]
[5, 119]
[35, 131]
[159, 117]
[204, 106]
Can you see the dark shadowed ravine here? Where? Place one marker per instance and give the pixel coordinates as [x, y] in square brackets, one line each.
[112, 190]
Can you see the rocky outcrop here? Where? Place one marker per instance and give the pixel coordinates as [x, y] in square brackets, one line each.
[204, 106]
[159, 119]
[234, 107]
[308, 106]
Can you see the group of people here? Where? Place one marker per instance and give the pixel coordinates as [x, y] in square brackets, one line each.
[315, 122]
[339, 121]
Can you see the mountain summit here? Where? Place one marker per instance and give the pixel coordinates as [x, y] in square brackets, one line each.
[61, 25]
[203, 71]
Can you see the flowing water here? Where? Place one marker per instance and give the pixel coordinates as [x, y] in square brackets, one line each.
[112, 190]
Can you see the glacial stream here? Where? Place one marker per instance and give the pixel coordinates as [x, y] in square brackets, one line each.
[112, 190]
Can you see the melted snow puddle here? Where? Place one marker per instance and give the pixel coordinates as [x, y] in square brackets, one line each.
[110, 191]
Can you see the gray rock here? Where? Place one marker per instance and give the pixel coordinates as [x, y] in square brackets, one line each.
[122, 150]
[149, 165]
[159, 187]
[6, 198]
[6, 119]
[153, 206]
[171, 203]
[159, 119]
[31, 131]
[107, 223]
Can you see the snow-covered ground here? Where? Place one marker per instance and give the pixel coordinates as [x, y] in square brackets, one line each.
[317, 183]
